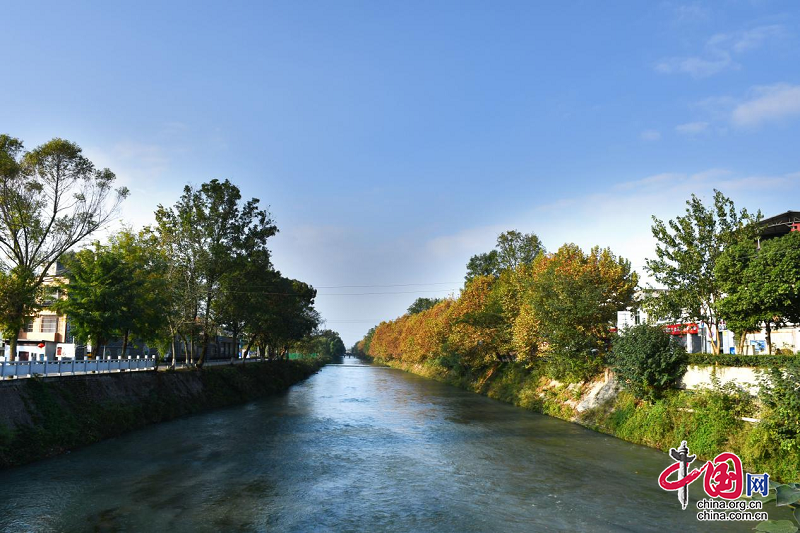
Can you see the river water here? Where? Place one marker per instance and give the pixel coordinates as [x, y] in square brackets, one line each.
[353, 448]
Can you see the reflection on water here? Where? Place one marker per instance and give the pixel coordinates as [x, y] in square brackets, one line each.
[353, 448]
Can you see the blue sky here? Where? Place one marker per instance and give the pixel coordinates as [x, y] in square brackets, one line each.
[393, 140]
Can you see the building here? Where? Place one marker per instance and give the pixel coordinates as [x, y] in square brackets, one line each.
[696, 338]
[780, 225]
[47, 337]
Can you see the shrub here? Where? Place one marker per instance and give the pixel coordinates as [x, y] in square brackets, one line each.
[761, 360]
[780, 396]
[647, 361]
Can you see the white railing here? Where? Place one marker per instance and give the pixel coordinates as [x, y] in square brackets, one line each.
[70, 367]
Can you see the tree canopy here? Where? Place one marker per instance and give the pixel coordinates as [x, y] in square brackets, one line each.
[51, 199]
[687, 251]
[513, 249]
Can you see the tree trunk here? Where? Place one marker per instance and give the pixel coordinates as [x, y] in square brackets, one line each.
[715, 344]
[186, 346]
[125, 343]
[174, 355]
[247, 349]
[769, 337]
[12, 348]
[740, 345]
[204, 352]
[202, 359]
[190, 353]
[235, 350]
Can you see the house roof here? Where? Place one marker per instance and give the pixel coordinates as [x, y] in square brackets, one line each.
[779, 224]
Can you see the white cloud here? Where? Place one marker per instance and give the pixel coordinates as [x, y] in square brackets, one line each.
[692, 128]
[716, 107]
[768, 103]
[692, 12]
[755, 38]
[719, 51]
[650, 135]
[698, 67]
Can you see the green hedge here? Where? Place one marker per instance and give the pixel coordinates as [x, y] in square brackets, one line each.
[741, 360]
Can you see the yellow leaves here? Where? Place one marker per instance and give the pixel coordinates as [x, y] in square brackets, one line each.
[519, 312]
[525, 333]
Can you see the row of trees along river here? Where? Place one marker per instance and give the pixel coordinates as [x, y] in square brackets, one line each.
[526, 317]
[201, 270]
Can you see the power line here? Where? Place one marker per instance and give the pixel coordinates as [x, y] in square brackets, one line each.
[267, 293]
[390, 285]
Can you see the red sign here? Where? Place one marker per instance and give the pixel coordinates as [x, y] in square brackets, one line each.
[41, 345]
[796, 226]
[681, 329]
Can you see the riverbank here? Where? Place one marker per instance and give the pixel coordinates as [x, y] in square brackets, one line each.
[42, 417]
[709, 419]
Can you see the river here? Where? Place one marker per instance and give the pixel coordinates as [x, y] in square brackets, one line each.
[353, 448]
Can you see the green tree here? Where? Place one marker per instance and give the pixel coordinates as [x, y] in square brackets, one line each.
[19, 299]
[249, 292]
[687, 251]
[739, 308]
[284, 314]
[149, 303]
[324, 343]
[422, 304]
[51, 198]
[208, 228]
[515, 249]
[101, 290]
[761, 285]
[483, 265]
[648, 361]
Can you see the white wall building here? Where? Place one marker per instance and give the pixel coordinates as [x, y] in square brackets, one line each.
[696, 338]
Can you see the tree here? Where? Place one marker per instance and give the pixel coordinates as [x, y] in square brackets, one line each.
[575, 298]
[761, 285]
[207, 229]
[686, 255]
[361, 348]
[101, 292]
[323, 343]
[740, 307]
[19, 299]
[776, 271]
[483, 265]
[515, 249]
[149, 303]
[648, 361]
[422, 304]
[247, 292]
[51, 198]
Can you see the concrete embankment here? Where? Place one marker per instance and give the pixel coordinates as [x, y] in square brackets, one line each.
[41, 417]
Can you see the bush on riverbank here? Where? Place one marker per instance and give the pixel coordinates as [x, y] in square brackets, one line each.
[648, 361]
[59, 414]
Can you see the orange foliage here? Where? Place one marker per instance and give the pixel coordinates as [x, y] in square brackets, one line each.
[494, 318]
